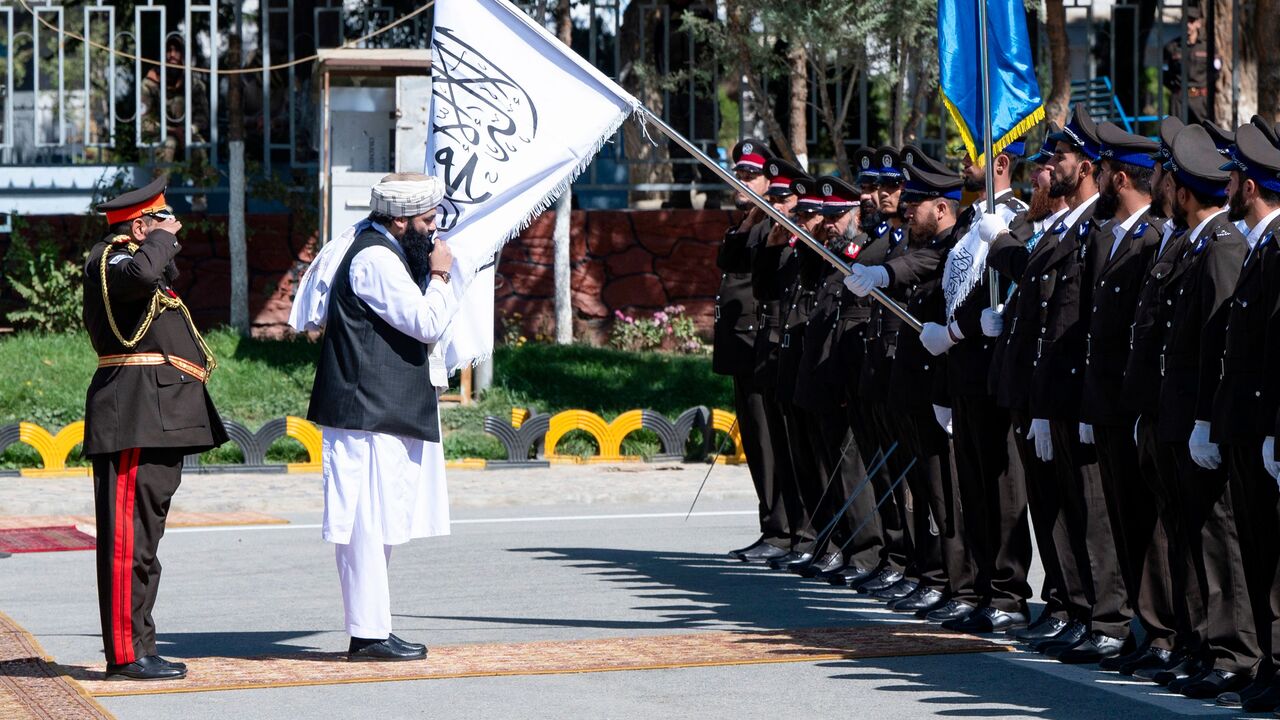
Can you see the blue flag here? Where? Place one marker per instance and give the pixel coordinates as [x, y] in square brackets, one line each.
[1016, 106]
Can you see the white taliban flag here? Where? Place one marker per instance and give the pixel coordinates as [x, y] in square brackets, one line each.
[515, 117]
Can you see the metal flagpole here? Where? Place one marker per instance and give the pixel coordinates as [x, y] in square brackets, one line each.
[993, 278]
[778, 216]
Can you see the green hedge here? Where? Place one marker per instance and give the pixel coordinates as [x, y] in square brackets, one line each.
[43, 380]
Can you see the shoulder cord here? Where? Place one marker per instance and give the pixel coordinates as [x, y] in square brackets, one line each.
[160, 302]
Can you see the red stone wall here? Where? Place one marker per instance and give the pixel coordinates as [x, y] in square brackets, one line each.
[629, 260]
[639, 260]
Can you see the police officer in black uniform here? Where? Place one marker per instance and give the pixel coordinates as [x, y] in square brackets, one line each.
[733, 352]
[146, 409]
[1198, 294]
[1194, 98]
[1106, 423]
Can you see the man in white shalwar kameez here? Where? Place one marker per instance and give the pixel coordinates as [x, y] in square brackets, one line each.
[385, 292]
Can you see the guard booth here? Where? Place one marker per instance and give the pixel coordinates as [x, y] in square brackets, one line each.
[375, 107]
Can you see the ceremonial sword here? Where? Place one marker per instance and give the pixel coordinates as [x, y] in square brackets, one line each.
[876, 509]
[714, 460]
[830, 528]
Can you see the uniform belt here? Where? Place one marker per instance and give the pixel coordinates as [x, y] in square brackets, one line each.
[136, 359]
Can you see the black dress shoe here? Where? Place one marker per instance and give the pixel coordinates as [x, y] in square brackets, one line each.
[987, 620]
[151, 667]
[1238, 698]
[763, 552]
[1214, 683]
[782, 561]
[173, 663]
[1180, 668]
[896, 591]
[1115, 662]
[1072, 634]
[743, 551]
[384, 651]
[879, 581]
[953, 610]
[406, 645]
[826, 563]
[1265, 701]
[1095, 648]
[1176, 686]
[1046, 628]
[924, 598]
[842, 576]
[1150, 658]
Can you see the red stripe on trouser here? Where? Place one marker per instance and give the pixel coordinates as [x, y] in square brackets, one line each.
[122, 557]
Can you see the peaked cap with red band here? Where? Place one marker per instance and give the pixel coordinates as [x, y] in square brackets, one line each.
[750, 154]
[135, 203]
[781, 174]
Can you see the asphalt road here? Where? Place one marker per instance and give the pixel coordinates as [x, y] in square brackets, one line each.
[545, 572]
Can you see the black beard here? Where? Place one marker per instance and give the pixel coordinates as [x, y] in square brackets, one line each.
[1108, 204]
[1159, 201]
[1063, 188]
[972, 184]
[1238, 210]
[1179, 215]
[417, 251]
[868, 221]
[742, 203]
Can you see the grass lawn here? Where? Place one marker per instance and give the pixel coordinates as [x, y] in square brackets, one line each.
[43, 379]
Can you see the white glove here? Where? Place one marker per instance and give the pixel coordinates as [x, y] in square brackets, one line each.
[993, 321]
[864, 278]
[943, 415]
[1044, 443]
[990, 226]
[1204, 453]
[1086, 433]
[935, 338]
[1268, 456]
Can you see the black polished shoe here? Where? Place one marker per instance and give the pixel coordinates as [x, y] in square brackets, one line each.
[896, 591]
[173, 663]
[953, 610]
[1176, 686]
[879, 581]
[1180, 668]
[763, 552]
[1214, 683]
[406, 645]
[1157, 658]
[151, 667]
[987, 620]
[738, 554]
[782, 561]
[1046, 628]
[1072, 634]
[1114, 663]
[1265, 701]
[1095, 648]
[846, 574]
[827, 563]
[924, 598]
[1237, 698]
[382, 651]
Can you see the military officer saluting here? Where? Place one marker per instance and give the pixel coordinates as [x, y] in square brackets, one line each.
[146, 409]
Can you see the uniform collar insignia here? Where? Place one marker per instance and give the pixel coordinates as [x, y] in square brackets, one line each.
[1140, 229]
[1060, 228]
[882, 228]
[1084, 228]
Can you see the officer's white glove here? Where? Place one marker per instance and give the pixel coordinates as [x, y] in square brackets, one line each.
[993, 321]
[943, 415]
[1086, 433]
[935, 338]
[865, 278]
[1204, 453]
[990, 226]
[1268, 456]
[1044, 443]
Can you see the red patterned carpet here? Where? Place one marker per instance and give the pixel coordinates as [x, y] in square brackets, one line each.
[45, 539]
[700, 649]
[31, 688]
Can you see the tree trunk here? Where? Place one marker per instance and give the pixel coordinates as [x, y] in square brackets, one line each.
[564, 207]
[1266, 28]
[834, 122]
[648, 163]
[799, 119]
[236, 211]
[1240, 64]
[1059, 62]
[902, 59]
[740, 36]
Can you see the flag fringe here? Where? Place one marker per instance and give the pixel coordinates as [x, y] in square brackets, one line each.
[966, 134]
[563, 186]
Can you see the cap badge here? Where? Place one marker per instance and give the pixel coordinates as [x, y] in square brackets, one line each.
[827, 189]
[747, 147]
[866, 162]
[886, 160]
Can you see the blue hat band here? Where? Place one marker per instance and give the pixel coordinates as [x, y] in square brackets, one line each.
[1141, 159]
[1199, 185]
[1017, 148]
[890, 173]
[1261, 176]
[1086, 147]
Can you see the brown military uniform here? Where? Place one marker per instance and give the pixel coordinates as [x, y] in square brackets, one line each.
[147, 407]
